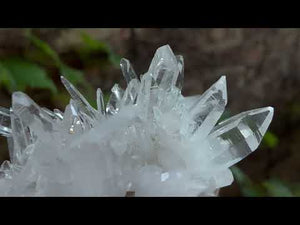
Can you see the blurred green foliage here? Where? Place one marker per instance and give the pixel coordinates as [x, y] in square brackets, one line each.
[73, 75]
[33, 69]
[272, 187]
[19, 74]
[92, 46]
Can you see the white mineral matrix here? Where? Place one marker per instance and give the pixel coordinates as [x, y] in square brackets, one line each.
[148, 140]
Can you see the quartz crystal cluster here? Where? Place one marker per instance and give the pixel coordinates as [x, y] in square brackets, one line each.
[148, 139]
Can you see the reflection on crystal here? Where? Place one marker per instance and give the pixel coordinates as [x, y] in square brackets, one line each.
[179, 82]
[30, 113]
[49, 112]
[127, 70]
[58, 114]
[5, 170]
[209, 108]
[5, 127]
[148, 139]
[164, 67]
[238, 136]
[113, 102]
[21, 138]
[131, 92]
[100, 102]
[82, 103]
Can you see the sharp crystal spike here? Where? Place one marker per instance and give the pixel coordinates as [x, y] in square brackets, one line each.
[100, 102]
[127, 70]
[113, 104]
[164, 67]
[238, 136]
[208, 109]
[82, 103]
[30, 113]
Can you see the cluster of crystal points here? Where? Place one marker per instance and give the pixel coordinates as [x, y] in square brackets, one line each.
[148, 139]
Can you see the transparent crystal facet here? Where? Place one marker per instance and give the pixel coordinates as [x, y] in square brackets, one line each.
[238, 136]
[207, 110]
[127, 70]
[5, 124]
[114, 100]
[82, 103]
[164, 67]
[179, 82]
[100, 102]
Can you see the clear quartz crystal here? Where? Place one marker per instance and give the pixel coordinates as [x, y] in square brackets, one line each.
[100, 102]
[58, 114]
[114, 100]
[240, 135]
[82, 103]
[207, 110]
[148, 140]
[179, 82]
[127, 70]
[164, 67]
[5, 127]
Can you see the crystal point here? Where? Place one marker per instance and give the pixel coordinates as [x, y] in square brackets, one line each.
[30, 114]
[82, 103]
[113, 104]
[164, 67]
[127, 70]
[207, 110]
[100, 102]
[236, 137]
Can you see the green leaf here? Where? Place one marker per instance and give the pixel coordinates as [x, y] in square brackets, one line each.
[270, 139]
[247, 187]
[6, 78]
[29, 74]
[277, 188]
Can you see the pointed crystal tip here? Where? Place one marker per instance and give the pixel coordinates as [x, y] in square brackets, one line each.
[164, 48]
[233, 139]
[64, 80]
[222, 82]
[127, 70]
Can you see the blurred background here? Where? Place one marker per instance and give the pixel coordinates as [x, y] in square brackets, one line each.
[261, 66]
